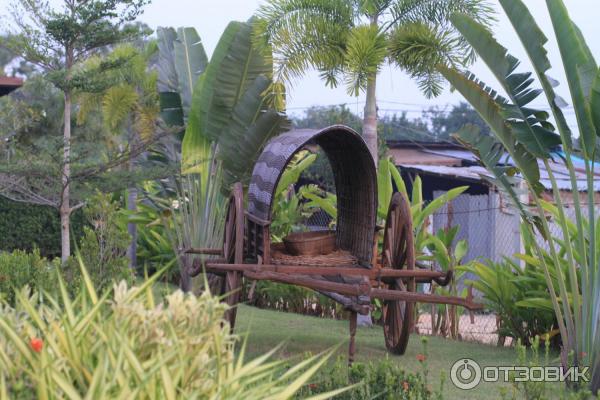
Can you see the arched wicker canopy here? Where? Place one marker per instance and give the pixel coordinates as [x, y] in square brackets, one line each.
[355, 180]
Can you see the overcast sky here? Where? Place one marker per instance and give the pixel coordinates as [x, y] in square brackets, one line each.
[395, 91]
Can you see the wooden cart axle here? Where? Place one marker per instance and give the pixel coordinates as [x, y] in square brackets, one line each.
[271, 272]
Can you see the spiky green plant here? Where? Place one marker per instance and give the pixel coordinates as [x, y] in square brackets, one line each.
[529, 138]
[127, 345]
[196, 218]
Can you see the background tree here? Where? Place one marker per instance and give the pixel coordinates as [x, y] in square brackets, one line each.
[57, 40]
[434, 125]
[446, 123]
[130, 110]
[349, 41]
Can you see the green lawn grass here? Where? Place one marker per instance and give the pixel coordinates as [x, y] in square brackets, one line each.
[300, 334]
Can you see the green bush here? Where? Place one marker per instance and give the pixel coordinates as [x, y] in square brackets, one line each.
[539, 390]
[128, 346]
[103, 246]
[376, 380]
[26, 227]
[505, 286]
[20, 268]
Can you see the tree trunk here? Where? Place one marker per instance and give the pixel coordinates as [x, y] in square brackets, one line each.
[132, 228]
[65, 203]
[370, 118]
[185, 280]
[370, 135]
[132, 207]
[370, 114]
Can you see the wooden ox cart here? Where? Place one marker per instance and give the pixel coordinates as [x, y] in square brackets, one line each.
[354, 273]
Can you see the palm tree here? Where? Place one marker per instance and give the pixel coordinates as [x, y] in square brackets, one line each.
[350, 40]
[130, 110]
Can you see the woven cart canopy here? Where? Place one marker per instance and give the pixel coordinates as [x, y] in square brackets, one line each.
[355, 181]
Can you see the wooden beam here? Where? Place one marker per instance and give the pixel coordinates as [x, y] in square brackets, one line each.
[311, 283]
[386, 294]
[374, 274]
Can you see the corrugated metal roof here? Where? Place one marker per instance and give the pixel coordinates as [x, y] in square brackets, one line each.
[471, 173]
[479, 173]
[460, 154]
[557, 166]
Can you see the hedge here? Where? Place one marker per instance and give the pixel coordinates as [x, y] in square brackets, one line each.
[25, 227]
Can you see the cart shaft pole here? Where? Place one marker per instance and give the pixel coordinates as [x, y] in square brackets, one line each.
[383, 273]
[386, 294]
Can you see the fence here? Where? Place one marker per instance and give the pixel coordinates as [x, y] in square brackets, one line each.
[491, 227]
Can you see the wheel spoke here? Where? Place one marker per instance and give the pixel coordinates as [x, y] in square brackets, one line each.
[398, 252]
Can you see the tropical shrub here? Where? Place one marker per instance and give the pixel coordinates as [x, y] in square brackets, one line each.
[531, 356]
[528, 136]
[195, 219]
[20, 268]
[389, 178]
[228, 111]
[292, 207]
[154, 250]
[448, 254]
[505, 286]
[377, 380]
[103, 246]
[125, 344]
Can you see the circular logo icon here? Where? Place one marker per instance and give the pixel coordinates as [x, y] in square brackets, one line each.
[465, 374]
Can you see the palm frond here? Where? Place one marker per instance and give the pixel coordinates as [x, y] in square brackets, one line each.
[87, 102]
[419, 48]
[117, 103]
[305, 33]
[438, 12]
[365, 53]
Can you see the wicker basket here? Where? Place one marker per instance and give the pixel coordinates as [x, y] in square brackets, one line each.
[310, 243]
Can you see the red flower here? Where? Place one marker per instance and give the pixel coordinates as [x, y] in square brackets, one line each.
[312, 385]
[421, 357]
[405, 386]
[36, 344]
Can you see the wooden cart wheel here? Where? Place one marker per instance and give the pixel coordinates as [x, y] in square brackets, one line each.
[398, 252]
[233, 247]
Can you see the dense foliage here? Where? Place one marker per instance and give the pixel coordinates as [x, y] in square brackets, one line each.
[131, 345]
[21, 268]
[102, 247]
[530, 138]
[378, 380]
[25, 226]
[505, 286]
[58, 38]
